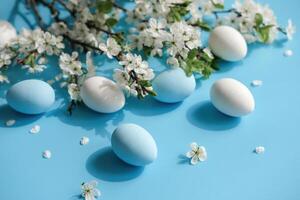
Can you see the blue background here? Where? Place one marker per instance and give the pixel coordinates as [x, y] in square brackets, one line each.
[232, 170]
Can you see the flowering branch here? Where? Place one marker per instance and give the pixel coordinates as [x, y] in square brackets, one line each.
[168, 28]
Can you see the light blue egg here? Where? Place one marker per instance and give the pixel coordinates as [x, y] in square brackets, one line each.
[30, 96]
[134, 145]
[173, 86]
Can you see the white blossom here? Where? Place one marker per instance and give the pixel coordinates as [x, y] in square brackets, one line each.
[84, 141]
[7, 33]
[74, 91]
[288, 53]
[70, 64]
[134, 71]
[35, 68]
[6, 56]
[197, 153]
[58, 28]
[47, 154]
[256, 83]
[173, 61]
[40, 41]
[3, 79]
[111, 48]
[35, 129]
[259, 150]
[90, 191]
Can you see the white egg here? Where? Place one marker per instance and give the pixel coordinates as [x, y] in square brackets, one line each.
[227, 43]
[231, 97]
[7, 33]
[102, 95]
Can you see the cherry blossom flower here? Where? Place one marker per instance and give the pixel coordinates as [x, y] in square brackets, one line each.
[90, 191]
[198, 153]
[111, 48]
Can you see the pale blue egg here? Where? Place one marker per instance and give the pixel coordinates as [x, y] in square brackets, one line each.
[30, 96]
[173, 86]
[134, 145]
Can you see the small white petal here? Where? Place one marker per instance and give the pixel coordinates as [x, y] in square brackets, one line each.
[259, 149]
[84, 141]
[10, 122]
[89, 196]
[194, 146]
[194, 160]
[47, 154]
[96, 192]
[202, 155]
[190, 154]
[256, 83]
[288, 53]
[35, 129]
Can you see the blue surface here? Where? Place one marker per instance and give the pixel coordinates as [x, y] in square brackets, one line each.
[232, 171]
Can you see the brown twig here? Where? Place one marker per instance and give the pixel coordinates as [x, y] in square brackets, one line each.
[39, 19]
[119, 7]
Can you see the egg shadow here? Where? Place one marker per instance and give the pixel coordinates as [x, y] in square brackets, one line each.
[88, 119]
[149, 106]
[182, 159]
[204, 115]
[105, 165]
[7, 113]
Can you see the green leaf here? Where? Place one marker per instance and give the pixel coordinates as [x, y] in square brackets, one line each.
[204, 26]
[144, 83]
[119, 37]
[111, 22]
[104, 6]
[198, 61]
[152, 93]
[192, 53]
[264, 33]
[218, 5]
[258, 19]
[178, 11]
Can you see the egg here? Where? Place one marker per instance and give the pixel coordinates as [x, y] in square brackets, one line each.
[173, 86]
[7, 33]
[227, 43]
[134, 145]
[231, 97]
[30, 96]
[102, 95]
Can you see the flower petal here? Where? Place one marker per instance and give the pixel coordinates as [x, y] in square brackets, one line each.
[194, 160]
[190, 154]
[194, 146]
[89, 196]
[96, 193]
[202, 155]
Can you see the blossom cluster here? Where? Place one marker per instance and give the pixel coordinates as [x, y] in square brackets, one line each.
[135, 76]
[179, 40]
[173, 10]
[30, 49]
[256, 22]
[168, 29]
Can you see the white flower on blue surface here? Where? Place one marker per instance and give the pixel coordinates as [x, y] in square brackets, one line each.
[197, 154]
[90, 191]
[111, 48]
